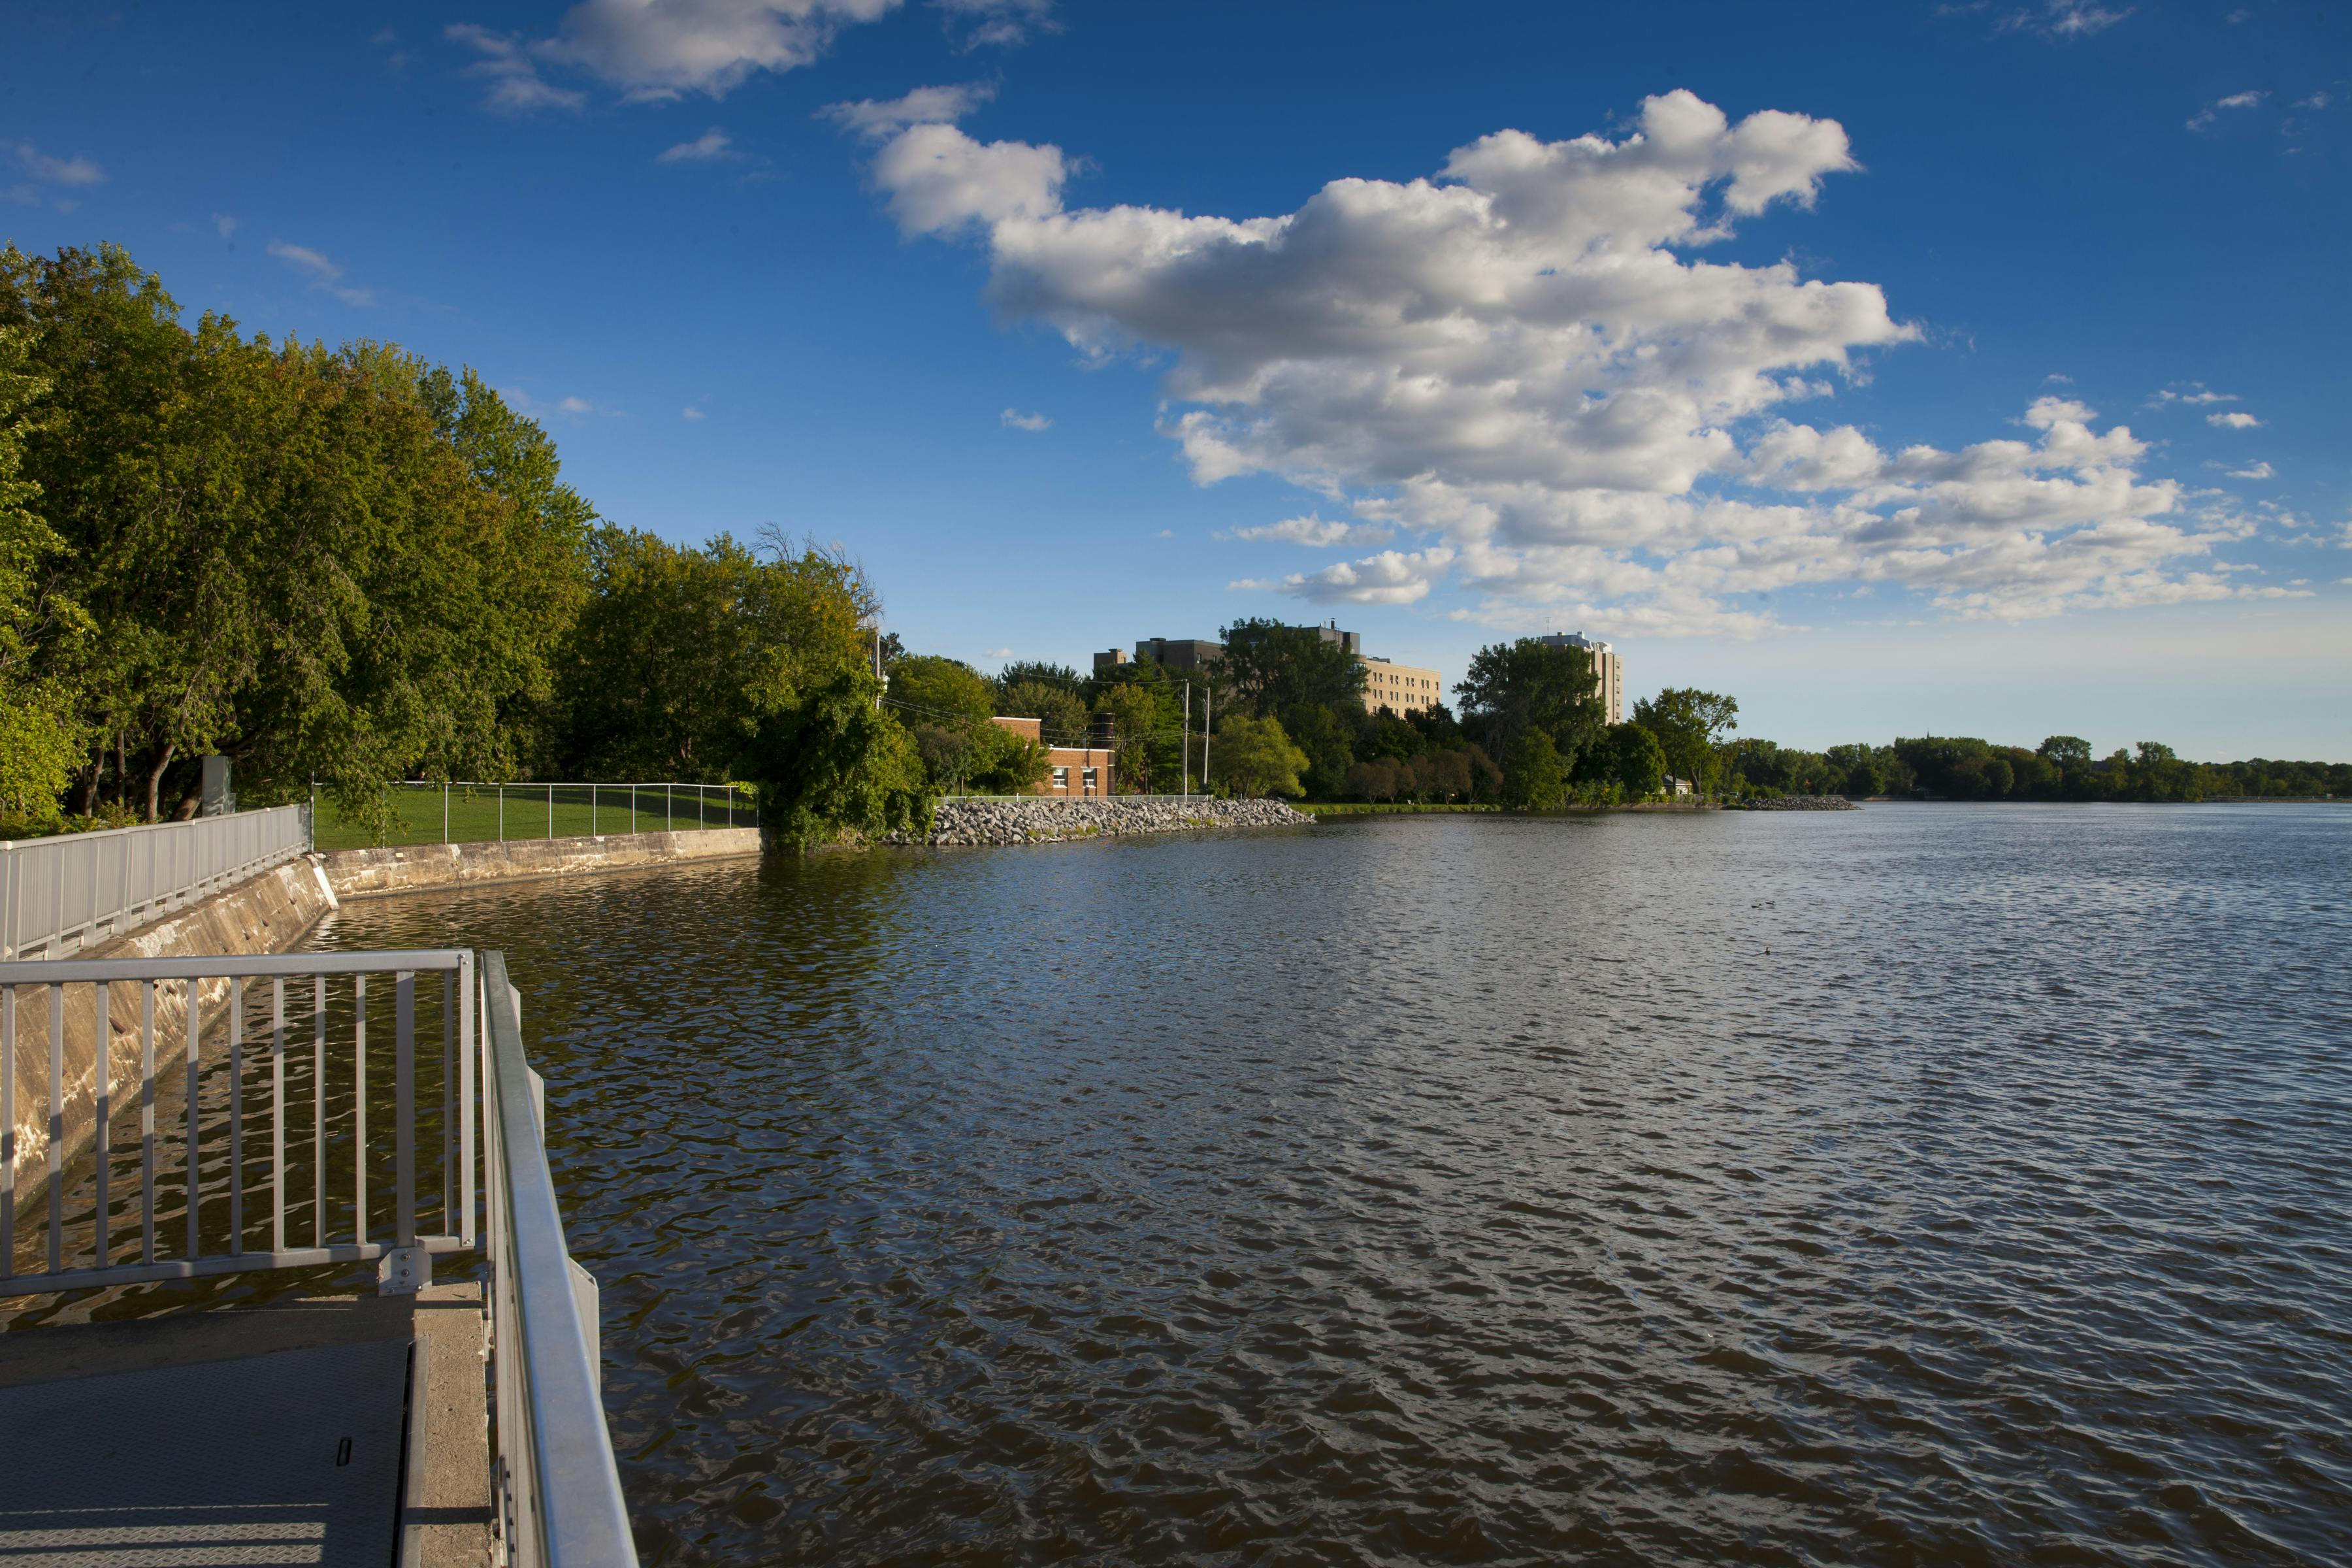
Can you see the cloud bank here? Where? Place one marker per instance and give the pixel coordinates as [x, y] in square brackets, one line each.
[655, 51]
[1528, 361]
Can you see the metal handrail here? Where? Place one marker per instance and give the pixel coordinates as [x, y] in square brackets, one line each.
[193, 987]
[60, 894]
[560, 1491]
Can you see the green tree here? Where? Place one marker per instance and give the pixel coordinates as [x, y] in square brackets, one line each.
[1137, 722]
[927, 687]
[1535, 778]
[653, 679]
[1866, 774]
[371, 562]
[1270, 667]
[38, 740]
[1690, 725]
[1061, 712]
[1254, 757]
[1331, 756]
[1637, 763]
[1022, 671]
[828, 759]
[1514, 686]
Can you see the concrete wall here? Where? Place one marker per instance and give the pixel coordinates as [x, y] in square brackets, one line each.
[411, 868]
[268, 914]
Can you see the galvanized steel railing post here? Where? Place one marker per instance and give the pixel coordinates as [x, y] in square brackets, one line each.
[102, 1105]
[56, 1125]
[405, 1091]
[7, 1131]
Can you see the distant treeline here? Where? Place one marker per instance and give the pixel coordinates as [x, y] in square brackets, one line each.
[1960, 767]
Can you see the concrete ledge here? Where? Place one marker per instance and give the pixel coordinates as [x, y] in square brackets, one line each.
[410, 868]
[266, 913]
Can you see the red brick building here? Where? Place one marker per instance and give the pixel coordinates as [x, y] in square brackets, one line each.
[1077, 771]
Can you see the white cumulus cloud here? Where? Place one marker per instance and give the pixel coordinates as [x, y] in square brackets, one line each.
[875, 120]
[711, 146]
[509, 65]
[2205, 117]
[1529, 362]
[2232, 421]
[1318, 531]
[2192, 392]
[653, 50]
[55, 171]
[1390, 577]
[322, 272]
[1013, 420]
[1004, 22]
[2253, 471]
[2066, 18]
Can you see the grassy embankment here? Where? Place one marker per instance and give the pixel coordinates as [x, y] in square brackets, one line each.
[474, 815]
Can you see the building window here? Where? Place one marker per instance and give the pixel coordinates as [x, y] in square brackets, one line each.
[1089, 778]
[1061, 781]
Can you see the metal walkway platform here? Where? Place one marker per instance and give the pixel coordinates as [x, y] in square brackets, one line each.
[332, 1432]
[291, 1457]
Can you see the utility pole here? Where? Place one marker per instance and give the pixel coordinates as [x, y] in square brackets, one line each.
[1188, 744]
[1208, 707]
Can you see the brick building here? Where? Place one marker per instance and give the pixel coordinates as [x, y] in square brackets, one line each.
[1075, 772]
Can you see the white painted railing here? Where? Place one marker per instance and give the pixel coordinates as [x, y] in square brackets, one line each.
[59, 895]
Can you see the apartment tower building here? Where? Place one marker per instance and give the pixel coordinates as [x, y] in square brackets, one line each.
[1608, 670]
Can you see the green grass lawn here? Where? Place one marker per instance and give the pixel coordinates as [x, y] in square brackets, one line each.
[534, 811]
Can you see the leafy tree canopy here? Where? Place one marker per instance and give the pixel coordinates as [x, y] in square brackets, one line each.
[1517, 686]
[1689, 725]
[1270, 667]
[1534, 776]
[1254, 757]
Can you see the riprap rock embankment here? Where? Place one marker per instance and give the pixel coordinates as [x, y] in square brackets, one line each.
[1796, 803]
[1037, 820]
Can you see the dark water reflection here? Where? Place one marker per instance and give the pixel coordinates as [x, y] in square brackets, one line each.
[1928, 1185]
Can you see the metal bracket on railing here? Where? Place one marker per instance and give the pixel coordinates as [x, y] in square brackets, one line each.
[404, 1271]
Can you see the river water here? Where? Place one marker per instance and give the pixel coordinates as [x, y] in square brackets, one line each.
[1930, 1185]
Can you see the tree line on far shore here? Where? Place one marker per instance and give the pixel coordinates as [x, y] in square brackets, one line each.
[345, 566]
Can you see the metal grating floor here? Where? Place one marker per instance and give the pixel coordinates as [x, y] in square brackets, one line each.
[290, 1457]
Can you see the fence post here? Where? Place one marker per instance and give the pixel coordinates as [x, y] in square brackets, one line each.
[445, 811]
[591, 811]
[502, 814]
[632, 808]
[551, 811]
[702, 793]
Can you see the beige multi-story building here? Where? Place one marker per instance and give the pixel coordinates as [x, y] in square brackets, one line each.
[1401, 686]
[1608, 671]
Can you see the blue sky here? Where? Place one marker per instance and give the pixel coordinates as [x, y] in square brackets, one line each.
[1895, 367]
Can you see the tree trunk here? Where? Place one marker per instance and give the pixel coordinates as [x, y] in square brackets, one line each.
[122, 770]
[156, 781]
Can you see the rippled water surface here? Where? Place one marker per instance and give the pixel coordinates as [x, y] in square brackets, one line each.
[1922, 1185]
